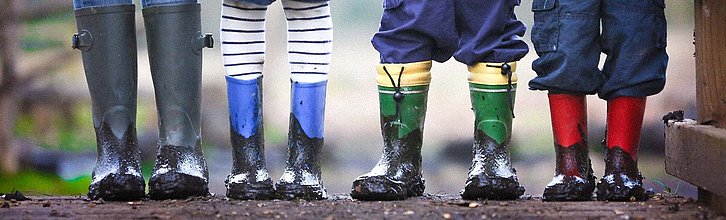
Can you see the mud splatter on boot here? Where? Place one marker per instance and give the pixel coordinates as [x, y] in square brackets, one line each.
[180, 172]
[302, 176]
[622, 180]
[402, 94]
[249, 178]
[574, 179]
[397, 175]
[491, 175]
[117, 175]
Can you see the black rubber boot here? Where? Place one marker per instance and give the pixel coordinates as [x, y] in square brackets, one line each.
[249, 178]
[622, 180]
[302, 177]
[107, 38]
[175, 54]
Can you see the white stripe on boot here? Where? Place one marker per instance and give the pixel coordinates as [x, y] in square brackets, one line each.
[243, 39]
[310, 40]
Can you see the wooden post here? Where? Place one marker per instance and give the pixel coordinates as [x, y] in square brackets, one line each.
[711, 62]
[710, 18]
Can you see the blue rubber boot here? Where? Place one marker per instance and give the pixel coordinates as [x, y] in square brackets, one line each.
[249, 178]
[302, 179]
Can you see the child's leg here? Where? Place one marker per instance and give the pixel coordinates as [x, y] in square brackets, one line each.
[243, 49]
[412, 33]
[634, 38]
[565, 36]
[310, 35]
[490, 45]
[242, 29]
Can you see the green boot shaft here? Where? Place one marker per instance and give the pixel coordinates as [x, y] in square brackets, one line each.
[492, 111]
[411, 110]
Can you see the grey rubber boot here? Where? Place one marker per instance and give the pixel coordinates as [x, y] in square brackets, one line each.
[175, 53]
[107, 39]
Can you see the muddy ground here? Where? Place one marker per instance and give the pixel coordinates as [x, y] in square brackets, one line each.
[342, 207]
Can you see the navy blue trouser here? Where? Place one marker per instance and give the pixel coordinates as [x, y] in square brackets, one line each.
[470, 30]
[268, 2]
[78, 4]
[568, 38]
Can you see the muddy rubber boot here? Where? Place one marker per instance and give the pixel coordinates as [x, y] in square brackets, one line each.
[402, 93]
[574, 179]
[302, 176]
[622, 180]
[491, 176]
[175, 54]
[249, 178]
[107, 39]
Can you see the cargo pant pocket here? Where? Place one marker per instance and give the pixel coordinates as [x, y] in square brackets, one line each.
[546, 28]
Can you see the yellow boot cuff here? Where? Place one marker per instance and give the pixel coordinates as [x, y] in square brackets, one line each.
[491, 74]
[412, 74]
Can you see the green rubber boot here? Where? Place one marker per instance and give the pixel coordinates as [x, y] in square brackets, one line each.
[402, 90]
[491, 175]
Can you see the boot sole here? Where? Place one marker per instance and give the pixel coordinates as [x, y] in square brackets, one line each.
[287, 191]
[251, 191]
[496, 188]
[118, 187]
[176, 186]
[381, 188]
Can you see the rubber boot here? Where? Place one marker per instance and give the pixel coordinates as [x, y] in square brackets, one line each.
[175, 54]
[574, 179]
[491, 176]
[402, 93]
[107, 38]
[622, 180]
[249, 178]
[302, 176]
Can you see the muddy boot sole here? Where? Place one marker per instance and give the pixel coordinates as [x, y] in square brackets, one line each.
[569, 192]
[176, 186]
[381, 188]
[496, 188]
[118, 187]
[286, 191]
[617, 192]
[251, 191]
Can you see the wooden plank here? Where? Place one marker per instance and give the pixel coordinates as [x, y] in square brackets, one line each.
[710, 18]
[697, 154]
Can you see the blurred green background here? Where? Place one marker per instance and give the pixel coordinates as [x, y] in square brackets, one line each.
[55, 141]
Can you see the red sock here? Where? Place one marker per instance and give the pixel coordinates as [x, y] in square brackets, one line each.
[569, 124]
[625, 119]
[568, 113]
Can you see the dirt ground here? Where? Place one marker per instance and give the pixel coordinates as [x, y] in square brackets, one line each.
[342, 207]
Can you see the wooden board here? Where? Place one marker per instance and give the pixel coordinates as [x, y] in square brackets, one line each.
[697, 154]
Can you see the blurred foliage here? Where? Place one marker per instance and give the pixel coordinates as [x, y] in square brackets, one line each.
[37, 183]
[42, 33]
[67, 136]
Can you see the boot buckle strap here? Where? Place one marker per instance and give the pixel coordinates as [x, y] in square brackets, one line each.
[82, 40]
[201, 41]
